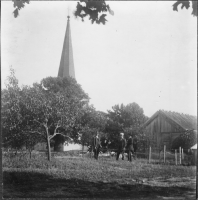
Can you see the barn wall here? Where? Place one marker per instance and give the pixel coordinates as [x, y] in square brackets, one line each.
[165, 125]
[163, 131]
[158, 130]
[152, 130]
[169, 131]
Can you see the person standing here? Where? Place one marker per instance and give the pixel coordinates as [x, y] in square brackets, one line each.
[96, 145]
[121, 146]
[130, 148]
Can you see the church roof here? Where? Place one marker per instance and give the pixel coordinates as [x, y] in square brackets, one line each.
[66, 67]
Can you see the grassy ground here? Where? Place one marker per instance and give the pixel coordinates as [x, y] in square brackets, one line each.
[72, 177]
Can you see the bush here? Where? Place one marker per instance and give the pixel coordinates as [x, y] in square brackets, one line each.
[185, 140]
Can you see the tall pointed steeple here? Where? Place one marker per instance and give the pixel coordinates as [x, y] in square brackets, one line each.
[66, 67]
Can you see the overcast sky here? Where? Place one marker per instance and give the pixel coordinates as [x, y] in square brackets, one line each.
[146, 53]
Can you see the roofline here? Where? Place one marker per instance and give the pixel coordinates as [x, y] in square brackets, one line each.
[151, 119]
[163, 113]
[173, 120]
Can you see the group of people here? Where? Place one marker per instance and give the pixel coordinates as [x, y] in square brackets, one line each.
[130, 146]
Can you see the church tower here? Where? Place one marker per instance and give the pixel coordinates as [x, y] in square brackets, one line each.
[66, 67]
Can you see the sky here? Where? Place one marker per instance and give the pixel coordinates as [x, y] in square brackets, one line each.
[146, 53]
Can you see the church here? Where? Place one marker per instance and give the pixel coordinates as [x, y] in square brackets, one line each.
[66, 69]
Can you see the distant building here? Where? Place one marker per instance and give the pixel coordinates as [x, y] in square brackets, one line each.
[73, 146]
[164, 126]
[67, 146]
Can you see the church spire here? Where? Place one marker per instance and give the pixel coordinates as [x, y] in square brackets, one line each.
[66, 67]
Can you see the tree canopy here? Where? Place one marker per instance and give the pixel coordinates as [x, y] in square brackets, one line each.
[127, 119]
[91, 122]
[13, 113]
[185, 140]
[186, 4]
[44, 110]
[97, 10]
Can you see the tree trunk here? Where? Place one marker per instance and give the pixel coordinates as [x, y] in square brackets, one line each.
[48, 144]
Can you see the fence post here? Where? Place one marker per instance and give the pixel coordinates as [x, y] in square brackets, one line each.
[164, 153]
[175, 156]
[82, 150]
[159, 155]
[91, 153]
[180, 155]
[149, 154]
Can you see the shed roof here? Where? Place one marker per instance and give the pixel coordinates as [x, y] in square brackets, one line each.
[186, 122]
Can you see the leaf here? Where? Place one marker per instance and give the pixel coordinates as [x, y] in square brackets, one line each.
[185, 4]
[194, 7]
[102, 19]
[19, 4]
[92, 9]
[16, 13]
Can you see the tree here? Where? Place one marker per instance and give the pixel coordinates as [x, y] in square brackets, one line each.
[185, 140]
[11, 117]
[91, 121]
[40, 112]
[53, 107]
[127, 119]
[74, 91]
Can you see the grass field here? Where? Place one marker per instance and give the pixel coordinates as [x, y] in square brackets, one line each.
[73, 176]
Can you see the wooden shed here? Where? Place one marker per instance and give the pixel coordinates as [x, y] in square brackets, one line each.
[164, 126]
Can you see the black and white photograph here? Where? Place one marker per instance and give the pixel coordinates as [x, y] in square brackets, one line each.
[99, 99]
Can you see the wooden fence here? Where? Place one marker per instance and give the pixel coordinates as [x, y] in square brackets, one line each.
[159, 156]
[175, 156]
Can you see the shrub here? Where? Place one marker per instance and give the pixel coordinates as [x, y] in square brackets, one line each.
[185, 140]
